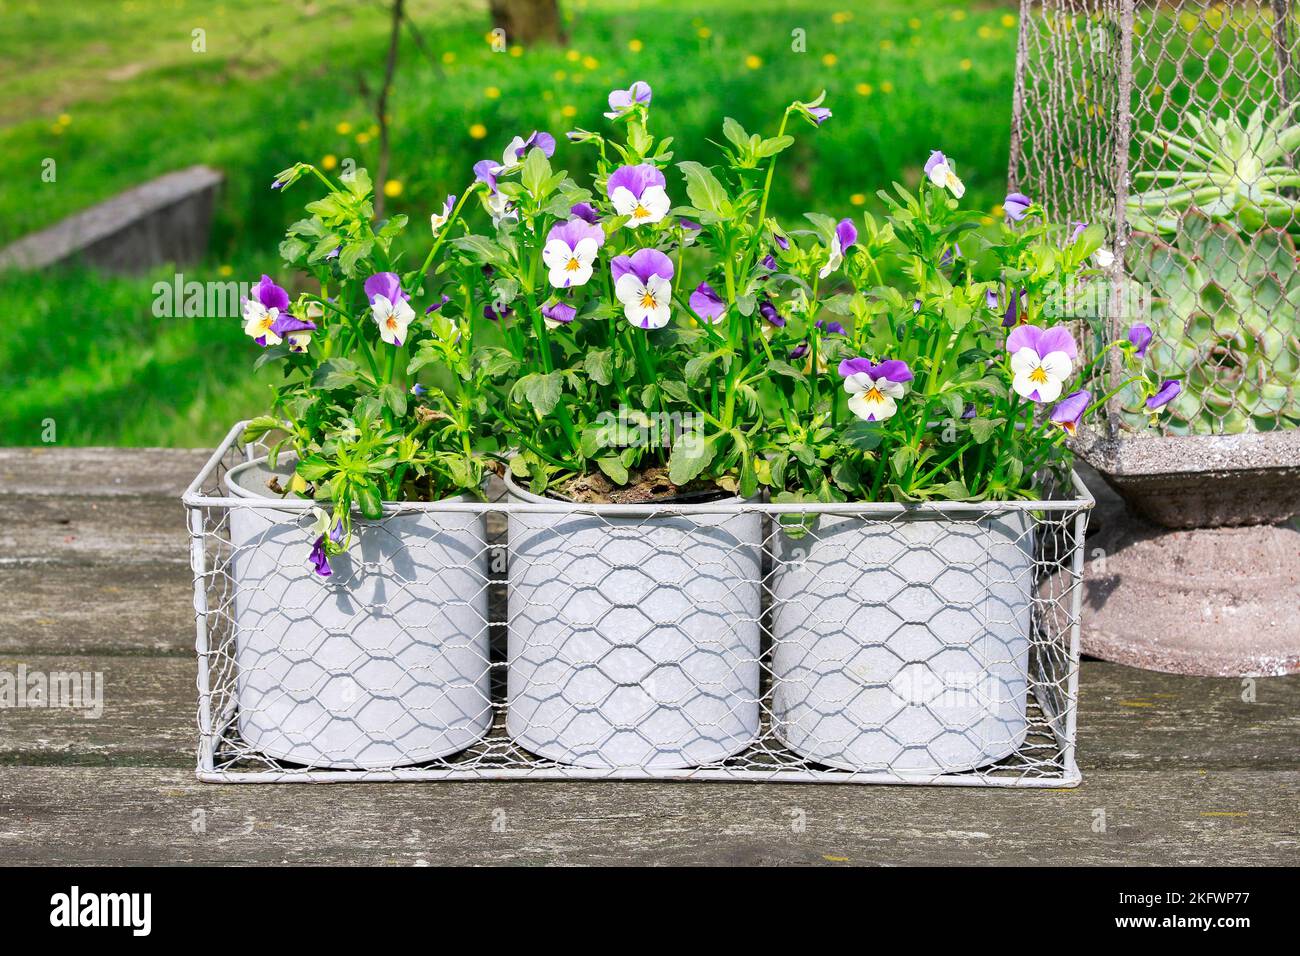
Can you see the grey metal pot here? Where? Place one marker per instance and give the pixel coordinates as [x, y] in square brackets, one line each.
[383, 664]
[902, 645]
[634, 636]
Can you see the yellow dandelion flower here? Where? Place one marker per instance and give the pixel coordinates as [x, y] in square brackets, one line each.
[753, 61]
[363, 138]
[590, 62]
[886, 44]
[393, 187]
[635, 45]
[863, 89]
[568, 110]
[841, 16]
[573, 56]
[449, 57]
[516, 51]
[966, 63]
[959, 15]
[987, 220]
[857, 199]
[559, 76]
[64, 119]
[225, 270]
[886, 87]
[998, 211]
[493, 92]
[1008, 20]
[985, 32]
[477, 131]
[914, 23]
[329, 161]
[830, 59]
[343, 129]
[704, 33]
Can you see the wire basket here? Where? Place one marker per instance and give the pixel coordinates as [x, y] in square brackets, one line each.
[732, 640]
[1165, 122]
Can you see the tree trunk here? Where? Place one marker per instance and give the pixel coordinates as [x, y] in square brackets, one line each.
[528, 21]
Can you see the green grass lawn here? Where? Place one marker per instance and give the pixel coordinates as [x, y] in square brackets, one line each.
[114, 94]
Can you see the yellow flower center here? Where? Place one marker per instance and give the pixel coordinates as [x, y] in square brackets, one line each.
[573, 265]
[648, 300]
[874, 395]
[267, 322]
[640, 212]
[1038, 376]
[392, 322]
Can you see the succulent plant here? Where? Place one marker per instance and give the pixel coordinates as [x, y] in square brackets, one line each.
[1229, 170]
[1225, 315]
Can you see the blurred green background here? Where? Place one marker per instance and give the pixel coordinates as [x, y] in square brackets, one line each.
[114, 93]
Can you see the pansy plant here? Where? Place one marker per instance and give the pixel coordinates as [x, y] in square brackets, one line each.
[363, 423]
[640, 301]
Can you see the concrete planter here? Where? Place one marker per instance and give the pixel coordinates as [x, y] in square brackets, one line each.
[634, 635]
[384, 664]
[1201, 481]
[902, 644]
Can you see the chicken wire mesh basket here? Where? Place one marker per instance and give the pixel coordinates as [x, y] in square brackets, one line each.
[1173, 124]
[731, 640]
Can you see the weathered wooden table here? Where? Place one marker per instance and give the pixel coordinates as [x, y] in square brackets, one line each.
[94, 577]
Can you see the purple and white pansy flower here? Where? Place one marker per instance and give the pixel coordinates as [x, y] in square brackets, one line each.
[519, 146]
[707, 304]
[1016, 206]
[1169, 389]
[570, 252]
[390, 306]
[266, 314]
[643, 283]
[1041, 361]
[623, 101]
[941, 172]
[1139, 336]
[874, 390]
[556, 314]
[638, 192]
[1069, 413]
[846, 234]
[319, 554]
[439, 219]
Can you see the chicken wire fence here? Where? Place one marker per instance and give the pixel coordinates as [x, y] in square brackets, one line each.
[715, 641]
[1173, 124]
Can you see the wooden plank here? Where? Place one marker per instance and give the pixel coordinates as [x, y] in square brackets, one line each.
[103, 608]
[1129, 719]
[57, 529]
[69, 815]
[98, 472]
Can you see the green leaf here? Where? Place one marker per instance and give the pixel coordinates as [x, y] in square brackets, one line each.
[703, 188]
[735, 132]
[540, 391]
[334, 373]
[394, 398]
[864, 436]
[614, 468]
[982, 429]
[901, 459]
[951, 491]
[313, 468]
[690, 455]
[352, 254]
[359, 184]
[599, 364]
[259, 426]
[368, 498]
[536, 174]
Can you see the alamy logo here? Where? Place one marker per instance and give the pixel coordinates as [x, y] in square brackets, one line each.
[54, 690]
[73, 909]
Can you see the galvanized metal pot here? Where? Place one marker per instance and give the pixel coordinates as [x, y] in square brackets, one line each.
[901, 644]
[383, 664]
[634, 634]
